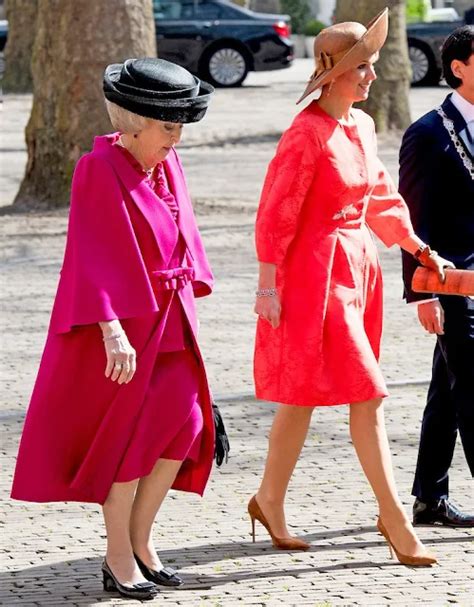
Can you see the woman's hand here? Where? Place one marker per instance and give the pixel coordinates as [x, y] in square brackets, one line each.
[269, 308]
[121, 357]
[427, 257]
[433, 261]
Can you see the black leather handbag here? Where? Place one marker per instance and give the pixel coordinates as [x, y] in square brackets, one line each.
[222, 446]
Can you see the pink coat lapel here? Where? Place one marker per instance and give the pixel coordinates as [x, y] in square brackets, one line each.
[156, 213]
[177, 185]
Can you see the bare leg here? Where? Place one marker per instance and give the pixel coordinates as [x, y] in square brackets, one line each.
[287, 437]
[152, 490]
[117, 510]
[371, 444]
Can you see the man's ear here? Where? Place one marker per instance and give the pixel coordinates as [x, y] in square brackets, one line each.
[457, 68]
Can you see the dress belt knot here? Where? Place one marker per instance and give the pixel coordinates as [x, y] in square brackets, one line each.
[172, 279]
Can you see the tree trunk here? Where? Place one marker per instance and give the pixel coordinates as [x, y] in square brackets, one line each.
[21, 15]
[75, 41]
[388, 103]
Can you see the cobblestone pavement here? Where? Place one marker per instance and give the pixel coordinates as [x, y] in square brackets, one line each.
[51, 553]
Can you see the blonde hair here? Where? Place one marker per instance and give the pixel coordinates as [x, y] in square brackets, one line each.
[123, 120]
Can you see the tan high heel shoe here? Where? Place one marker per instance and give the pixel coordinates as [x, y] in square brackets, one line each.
[404, 559]
[282, 543]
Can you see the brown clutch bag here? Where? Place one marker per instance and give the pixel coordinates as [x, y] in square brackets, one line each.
[458, 282]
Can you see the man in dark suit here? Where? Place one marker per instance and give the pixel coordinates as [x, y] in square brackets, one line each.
[437, 182]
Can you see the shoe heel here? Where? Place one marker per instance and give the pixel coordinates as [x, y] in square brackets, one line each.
[411, 561]
[253, 529]
[390, 549]
[108, 582]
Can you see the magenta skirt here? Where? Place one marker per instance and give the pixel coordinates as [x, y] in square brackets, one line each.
[171, 419]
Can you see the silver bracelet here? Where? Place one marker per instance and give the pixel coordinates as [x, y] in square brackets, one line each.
[265, 292]
[113, 336]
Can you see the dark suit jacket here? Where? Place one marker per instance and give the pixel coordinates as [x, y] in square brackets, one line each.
[439, 192]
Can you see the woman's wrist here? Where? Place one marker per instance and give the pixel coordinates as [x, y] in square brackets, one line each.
[267, 276]
[411, 244]
[267, 292]
[112, 337]
[111, 329]
[423, 248]
[425, 255]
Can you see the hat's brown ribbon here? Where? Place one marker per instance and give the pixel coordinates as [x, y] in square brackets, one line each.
[325, 62]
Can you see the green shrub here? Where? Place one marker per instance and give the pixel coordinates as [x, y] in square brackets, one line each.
[313, 27]
[299, 13]
[417, 10]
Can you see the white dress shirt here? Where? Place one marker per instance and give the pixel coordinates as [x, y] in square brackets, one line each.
[466, 109]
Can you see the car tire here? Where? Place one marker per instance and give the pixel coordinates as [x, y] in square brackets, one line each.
[225, 66]
[423, 65]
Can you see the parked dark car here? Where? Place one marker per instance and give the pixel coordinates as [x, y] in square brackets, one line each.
[424, 48]
[3, 33]
[221, 41]
[216, 39]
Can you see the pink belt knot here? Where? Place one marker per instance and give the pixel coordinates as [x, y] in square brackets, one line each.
[173, 278]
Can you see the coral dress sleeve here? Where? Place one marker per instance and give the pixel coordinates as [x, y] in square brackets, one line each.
[103, 276]
[387, 213]
[287, 182]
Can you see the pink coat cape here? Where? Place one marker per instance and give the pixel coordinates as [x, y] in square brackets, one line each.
[324, 193]
[79, 423]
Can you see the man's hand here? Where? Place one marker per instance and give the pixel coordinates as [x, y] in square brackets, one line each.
[431, 316]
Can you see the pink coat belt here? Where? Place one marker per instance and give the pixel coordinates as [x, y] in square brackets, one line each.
[172, 279]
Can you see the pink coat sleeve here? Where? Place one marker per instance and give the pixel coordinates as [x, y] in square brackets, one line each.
[387, 213]
[287, 182]
[103, 275]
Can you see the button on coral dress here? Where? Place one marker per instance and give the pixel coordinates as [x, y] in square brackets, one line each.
[133, 253]
[324, 195]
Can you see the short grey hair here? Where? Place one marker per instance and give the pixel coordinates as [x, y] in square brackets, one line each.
[123, 120]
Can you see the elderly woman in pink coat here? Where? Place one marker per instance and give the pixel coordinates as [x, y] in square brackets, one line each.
[121, 409]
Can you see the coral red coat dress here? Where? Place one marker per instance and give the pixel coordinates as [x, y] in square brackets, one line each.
[325, 192]
[134, 253]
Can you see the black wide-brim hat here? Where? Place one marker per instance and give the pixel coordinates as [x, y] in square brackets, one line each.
[157, 89]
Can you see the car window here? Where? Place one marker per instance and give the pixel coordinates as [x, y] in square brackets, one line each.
[208, 10]
[193, 9]
[173, 9]
[229, 13]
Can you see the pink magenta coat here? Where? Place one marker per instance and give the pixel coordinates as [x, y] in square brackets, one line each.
[325, 192]
[121, 242]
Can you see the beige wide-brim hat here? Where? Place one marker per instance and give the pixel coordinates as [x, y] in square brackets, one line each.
[342, 46]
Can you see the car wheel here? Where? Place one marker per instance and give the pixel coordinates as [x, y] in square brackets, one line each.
[226, 66]
[424, 70]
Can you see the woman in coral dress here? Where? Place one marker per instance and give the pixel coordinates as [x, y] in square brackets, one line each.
[121, 408]
[320, 289]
